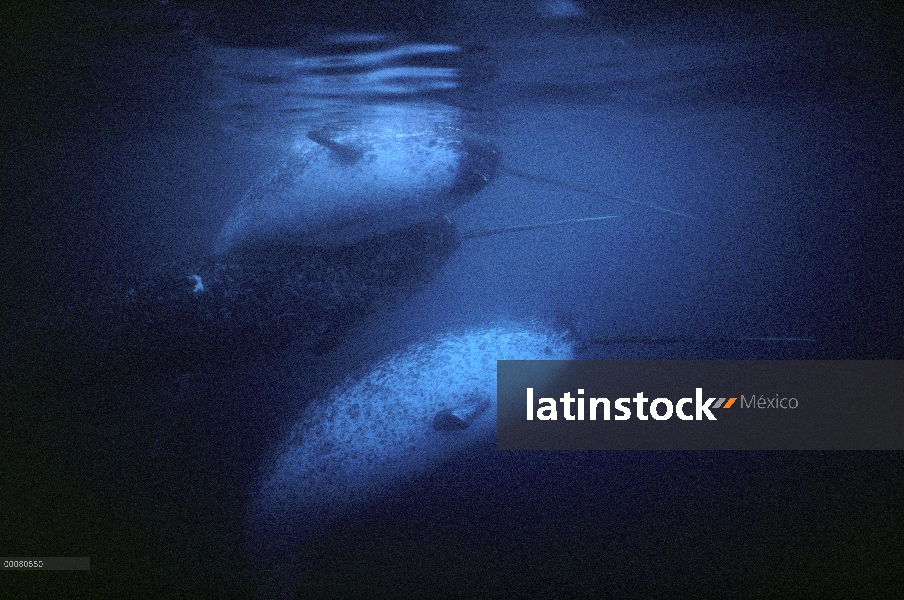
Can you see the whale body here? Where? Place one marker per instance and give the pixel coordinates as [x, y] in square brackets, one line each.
[411, 411]
[395, 165]
[225, 308]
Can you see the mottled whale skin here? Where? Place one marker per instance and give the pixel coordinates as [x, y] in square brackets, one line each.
[411, 411]
[225, 308]
[396, 165]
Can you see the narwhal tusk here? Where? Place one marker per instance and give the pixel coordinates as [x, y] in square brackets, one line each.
[654, 340]
[590, 192]
[488, 232]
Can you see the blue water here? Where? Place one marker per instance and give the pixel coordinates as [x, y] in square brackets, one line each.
[777, 128]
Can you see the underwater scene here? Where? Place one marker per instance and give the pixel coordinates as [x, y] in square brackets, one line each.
[258, 262]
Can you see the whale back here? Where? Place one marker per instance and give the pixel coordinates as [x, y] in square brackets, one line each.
[398, 165]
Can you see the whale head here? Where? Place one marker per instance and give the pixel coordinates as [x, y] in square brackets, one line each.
[399, 165]
[406, 414]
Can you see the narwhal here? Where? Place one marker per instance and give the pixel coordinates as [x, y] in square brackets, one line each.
[223, 308]
[265, 291]
[367, 137]
[404, 414]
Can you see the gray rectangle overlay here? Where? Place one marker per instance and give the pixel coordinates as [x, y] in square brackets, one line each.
[700, 405]
[45, 563]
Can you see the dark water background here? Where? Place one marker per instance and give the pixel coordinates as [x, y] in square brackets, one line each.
[778, 126]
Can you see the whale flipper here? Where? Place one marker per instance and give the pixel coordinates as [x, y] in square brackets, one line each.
[345, 154]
